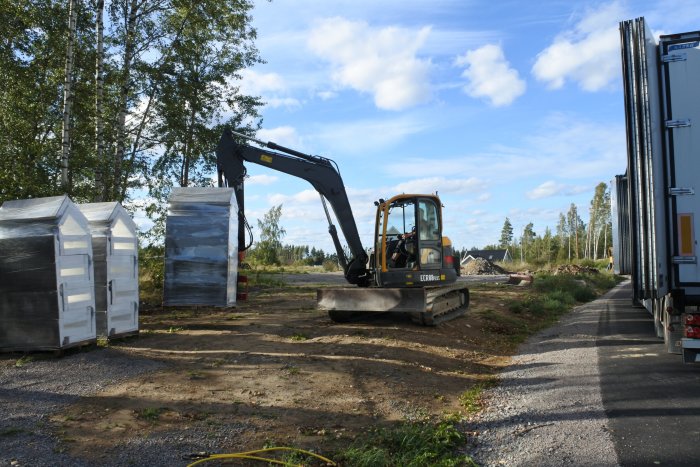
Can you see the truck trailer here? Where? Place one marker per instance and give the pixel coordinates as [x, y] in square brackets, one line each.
[656, 208]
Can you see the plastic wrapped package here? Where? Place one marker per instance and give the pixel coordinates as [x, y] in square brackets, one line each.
[201, 247]
[115, 258]
[47, 299]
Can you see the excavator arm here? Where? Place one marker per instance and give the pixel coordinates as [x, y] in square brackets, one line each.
[323, 175]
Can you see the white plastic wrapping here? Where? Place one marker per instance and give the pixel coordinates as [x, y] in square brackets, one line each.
[46, 275]
[115, 255]
[201, 247]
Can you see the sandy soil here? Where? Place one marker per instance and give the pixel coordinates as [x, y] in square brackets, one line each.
[287, 374]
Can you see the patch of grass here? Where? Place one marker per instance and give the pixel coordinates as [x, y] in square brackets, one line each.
[195, 375]
[410, 444]
[23, 361]
[175, 329]
[298, 337]
[12, 432]
[102, 341]
[472, 399]
[150, 414]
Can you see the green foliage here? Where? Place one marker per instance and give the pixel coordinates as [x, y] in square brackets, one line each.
[151, 414]
[472, 398]
[151, 273]
[171, 73]
[23, 361]
[411, 445]
[271, 234]
[506, 234]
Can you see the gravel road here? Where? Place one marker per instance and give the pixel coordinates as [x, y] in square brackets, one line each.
[548, 410]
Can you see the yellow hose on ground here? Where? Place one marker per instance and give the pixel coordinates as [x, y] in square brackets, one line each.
[251, 455]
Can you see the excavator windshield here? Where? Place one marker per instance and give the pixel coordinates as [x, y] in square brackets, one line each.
[408, 233]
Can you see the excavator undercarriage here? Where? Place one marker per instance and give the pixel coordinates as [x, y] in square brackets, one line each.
[427, 306]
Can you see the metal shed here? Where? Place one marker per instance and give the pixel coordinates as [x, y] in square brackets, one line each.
[201, 247]
[47, 299]
[115, 255]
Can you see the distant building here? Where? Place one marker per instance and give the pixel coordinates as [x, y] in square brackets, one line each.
[502, 256]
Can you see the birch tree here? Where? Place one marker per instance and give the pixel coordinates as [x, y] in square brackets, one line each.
[68, 96]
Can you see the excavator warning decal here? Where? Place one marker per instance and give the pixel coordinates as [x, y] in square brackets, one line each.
[266, 158]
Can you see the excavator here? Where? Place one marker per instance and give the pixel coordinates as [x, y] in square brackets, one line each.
[410, 269]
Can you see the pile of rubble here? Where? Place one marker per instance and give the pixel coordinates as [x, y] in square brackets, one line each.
[574, 269]
[482, 267]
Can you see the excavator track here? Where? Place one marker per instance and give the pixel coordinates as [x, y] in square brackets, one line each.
[443, 304]
[428, 306]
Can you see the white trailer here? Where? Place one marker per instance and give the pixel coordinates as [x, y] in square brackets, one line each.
[662, 110]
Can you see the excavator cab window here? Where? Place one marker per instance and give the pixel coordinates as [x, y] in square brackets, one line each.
[429, 234]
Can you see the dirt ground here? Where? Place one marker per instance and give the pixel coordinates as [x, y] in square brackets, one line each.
[289, 375]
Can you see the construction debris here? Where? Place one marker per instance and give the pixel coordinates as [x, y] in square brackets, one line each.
[482, 267]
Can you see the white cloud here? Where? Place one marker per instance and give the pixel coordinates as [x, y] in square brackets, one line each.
[490, 76]
[545, 190]
[551, 188]
[261, 179]
[282, 135]
[381, 62]
[255, 83]
[300, 198]
[270, 86]
[588, 54]
[369, 135]
[326, 95]
[440, 184]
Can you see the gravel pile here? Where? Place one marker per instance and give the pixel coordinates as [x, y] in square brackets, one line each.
[548, 410]
[32, 392]
[482, 267]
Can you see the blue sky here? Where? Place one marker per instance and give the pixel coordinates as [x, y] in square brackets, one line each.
[505, 108]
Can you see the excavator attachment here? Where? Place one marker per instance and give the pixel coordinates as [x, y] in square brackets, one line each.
[427, 306]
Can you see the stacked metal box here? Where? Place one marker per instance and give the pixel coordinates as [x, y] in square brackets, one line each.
[201, 247]
[115, 255]
[46, 275]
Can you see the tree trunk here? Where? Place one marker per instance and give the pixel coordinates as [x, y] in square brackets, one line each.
[68, 97]
[125, 89]
[99, 91]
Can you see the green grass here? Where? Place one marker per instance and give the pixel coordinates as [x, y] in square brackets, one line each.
[472, 399]
[23, 361]
[12, 432]
[550, 297]
[410, 444]
[298, 337]
[151, 414]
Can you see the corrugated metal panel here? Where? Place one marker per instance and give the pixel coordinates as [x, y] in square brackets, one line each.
[645, 162]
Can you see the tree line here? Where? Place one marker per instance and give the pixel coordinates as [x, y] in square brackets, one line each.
[270, 251]
[100, 99]
[572, 240]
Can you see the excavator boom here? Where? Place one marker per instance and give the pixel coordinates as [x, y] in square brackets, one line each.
[323, 175]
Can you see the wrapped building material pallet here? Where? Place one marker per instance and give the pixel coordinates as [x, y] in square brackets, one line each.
[115, 256]
[201, 247]
[47, 297]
